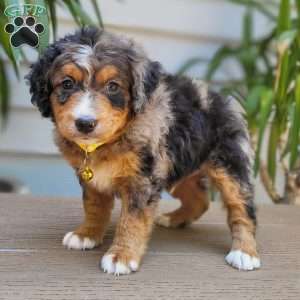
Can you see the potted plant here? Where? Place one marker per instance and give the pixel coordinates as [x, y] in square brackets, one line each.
[269, 90]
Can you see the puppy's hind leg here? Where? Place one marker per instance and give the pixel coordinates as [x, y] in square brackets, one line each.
[230, 171]
[193, 195]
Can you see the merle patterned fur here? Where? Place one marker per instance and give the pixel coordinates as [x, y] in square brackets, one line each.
[196, 133]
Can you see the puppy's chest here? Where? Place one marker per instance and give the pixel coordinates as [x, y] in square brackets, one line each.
[110, 171]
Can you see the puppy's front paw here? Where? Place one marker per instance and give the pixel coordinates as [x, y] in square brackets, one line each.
[118, 264]
[242, 261]
[73, 241]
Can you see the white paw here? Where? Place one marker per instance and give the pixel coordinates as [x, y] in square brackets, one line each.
[242, 261]
[163, 220]
[118, 268]
[73, 241]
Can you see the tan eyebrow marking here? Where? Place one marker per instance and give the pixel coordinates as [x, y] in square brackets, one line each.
[106, 73]
[68, 70]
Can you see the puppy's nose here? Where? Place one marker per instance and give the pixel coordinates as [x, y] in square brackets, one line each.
[85, 124]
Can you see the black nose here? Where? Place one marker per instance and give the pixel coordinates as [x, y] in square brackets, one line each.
[85, 125]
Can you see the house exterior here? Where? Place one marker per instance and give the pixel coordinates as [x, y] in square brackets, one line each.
[171, 31]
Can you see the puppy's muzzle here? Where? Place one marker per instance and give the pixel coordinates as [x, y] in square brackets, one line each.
[85, 124]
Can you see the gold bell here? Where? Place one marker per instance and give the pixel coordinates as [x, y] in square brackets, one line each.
[87, 174]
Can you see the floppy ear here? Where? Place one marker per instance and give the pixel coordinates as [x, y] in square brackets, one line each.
[146, 75]
[38, 79]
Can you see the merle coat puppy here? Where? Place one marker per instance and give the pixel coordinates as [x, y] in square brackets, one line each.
[130, 130]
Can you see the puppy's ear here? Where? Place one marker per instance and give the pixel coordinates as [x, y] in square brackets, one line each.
[38, 79]
[146, 75]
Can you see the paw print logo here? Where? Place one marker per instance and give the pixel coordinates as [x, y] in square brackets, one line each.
[24, 31]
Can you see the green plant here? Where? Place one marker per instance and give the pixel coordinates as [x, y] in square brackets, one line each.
[79, 15]
[269, 89]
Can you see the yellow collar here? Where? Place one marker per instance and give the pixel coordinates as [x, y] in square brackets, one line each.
[90, 148]
[85, 171]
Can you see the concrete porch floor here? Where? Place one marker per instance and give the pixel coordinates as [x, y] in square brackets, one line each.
[180, 263]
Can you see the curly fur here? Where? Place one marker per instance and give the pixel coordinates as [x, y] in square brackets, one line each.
[177, 126]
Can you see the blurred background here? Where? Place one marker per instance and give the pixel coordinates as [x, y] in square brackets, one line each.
[248, 49]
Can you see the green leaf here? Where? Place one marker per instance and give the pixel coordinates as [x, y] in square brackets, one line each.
[253, 100]
[284, 19]
[98, 14]
[5, 43]
[44, 19]
[295, 128]
[286, 39]
[261, 6]
[220, 56]
[265, 111]
[272, 148]
[79, 15]
[69, 4]
[191, 63]
[298, 11]
[52, 16]
[247, 28]
[282, 83]
[4, 93]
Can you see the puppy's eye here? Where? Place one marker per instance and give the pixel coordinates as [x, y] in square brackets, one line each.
[68, 84]
[112, 88]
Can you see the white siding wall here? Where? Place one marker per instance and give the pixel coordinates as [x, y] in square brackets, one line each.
[171, 31]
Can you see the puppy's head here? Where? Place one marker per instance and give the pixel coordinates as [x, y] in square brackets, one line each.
[91, 84]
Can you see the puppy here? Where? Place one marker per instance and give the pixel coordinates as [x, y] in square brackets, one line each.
[129, 129]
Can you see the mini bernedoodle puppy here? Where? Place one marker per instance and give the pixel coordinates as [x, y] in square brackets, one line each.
[130, 130]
